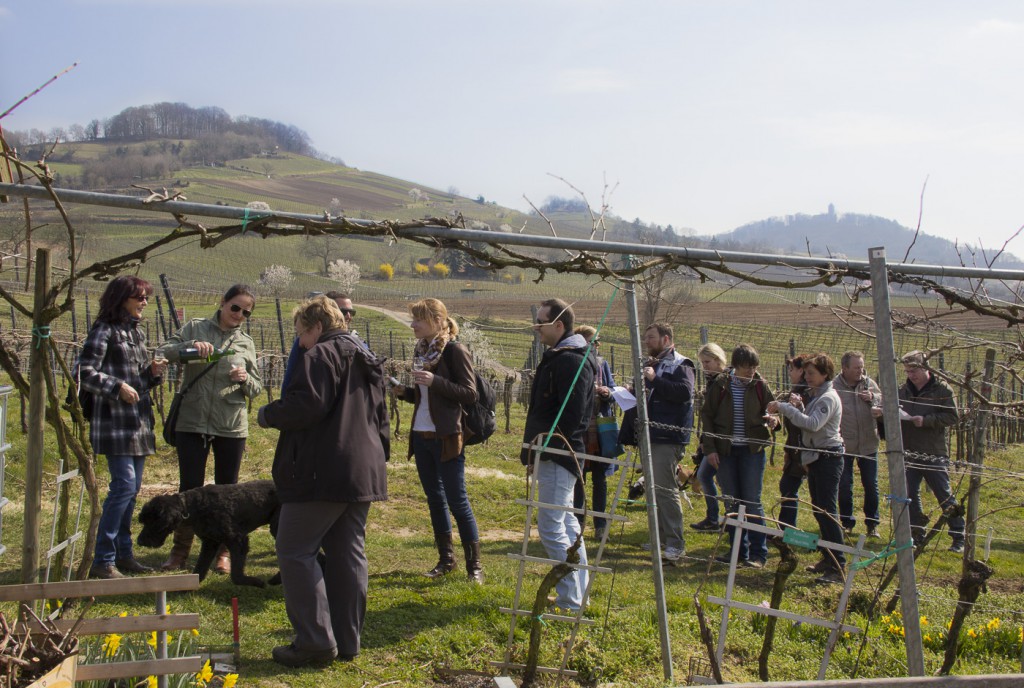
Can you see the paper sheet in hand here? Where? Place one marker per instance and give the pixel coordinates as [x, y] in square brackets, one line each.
[623, 398]
[904, 415]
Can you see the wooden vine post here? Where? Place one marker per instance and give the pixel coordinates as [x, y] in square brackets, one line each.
[36, 420]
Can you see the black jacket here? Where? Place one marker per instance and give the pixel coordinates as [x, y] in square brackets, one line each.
[671, 398]
[552, 381]
[333, 418]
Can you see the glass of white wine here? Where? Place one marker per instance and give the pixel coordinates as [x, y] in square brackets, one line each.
[159, 357]
[417, 363]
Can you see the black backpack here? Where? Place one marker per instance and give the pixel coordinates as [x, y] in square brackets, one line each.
[479, 420]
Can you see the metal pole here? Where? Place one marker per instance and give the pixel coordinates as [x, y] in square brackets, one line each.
[171, 310]
[36, 423]
[894, 453]
[644, 448]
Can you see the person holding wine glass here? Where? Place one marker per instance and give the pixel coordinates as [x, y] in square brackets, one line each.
[443, 380]
[221, 375]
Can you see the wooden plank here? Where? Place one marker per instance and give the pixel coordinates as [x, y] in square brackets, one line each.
[540, 670]
[780, 613]
[146, 667]
[555, 562]
[553, 617]
[125, 624]
[580, 456]
[98, 588]
[574, 510]
[978, 681]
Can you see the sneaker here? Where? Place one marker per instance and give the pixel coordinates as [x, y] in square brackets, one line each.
[848, 531]
[645, 546]
[873, 533]
[105, 571]
[957, 547]
[130, 565]
[599, 533]
[829, 577]
[822, 566]
[753, 563]
[673, 555]
[727, 560]
[291, 656]
[705, 526]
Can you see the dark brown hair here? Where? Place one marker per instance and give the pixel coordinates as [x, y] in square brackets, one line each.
[561, 312]
[117, 292]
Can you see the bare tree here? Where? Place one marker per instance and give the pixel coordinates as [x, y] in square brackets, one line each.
[322, 249]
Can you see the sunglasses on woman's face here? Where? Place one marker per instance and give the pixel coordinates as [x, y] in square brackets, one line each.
[235, 308]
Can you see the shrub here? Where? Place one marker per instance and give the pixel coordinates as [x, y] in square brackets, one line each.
[386, 271]
[440, 270]
[421, 270]
[345, 273]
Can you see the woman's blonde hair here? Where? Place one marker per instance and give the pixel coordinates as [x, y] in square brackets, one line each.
[586, 331]
[319, 309]
[712, 350]
[432, 310]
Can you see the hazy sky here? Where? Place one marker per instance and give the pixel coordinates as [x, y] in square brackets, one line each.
[707, 115]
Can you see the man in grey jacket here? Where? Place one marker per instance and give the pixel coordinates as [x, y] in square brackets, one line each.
[858, 394]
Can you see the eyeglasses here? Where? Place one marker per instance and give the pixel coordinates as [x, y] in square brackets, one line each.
[141, 297]
[235, 308]
[350, 312]
[542, 324]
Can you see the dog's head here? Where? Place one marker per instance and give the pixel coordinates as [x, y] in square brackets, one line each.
[159, 517]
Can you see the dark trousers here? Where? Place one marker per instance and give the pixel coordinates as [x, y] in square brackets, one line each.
[789, 491]
[444, 484]
[193, 450]
[868, 467]
[936, 475]
[823, 483]
[599, 501]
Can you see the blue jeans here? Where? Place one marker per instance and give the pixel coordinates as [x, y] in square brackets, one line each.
[936, 476]
[706, 479]
[114, 535]
[823, 483]
[868, 467]
[444, 484]
[789, 491]
[741, 476]
[558, 530]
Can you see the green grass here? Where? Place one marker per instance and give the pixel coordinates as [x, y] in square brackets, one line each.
[415, 627]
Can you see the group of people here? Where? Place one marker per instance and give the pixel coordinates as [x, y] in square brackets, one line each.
[329, 464]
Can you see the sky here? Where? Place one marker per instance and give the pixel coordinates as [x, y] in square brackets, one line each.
[703, 115]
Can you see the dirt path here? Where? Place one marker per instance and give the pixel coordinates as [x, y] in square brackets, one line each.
[403, 318]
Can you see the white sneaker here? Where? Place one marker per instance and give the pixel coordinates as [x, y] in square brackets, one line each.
[673, 555]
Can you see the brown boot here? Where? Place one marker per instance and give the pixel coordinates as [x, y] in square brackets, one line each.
[445, 557]
[473, 567]
[178, 559]
[223, 564]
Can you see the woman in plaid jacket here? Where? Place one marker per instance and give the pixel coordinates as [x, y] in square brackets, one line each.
[114, 366]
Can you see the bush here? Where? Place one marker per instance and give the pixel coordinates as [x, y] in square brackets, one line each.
[386, 271]
[421, 270]
[440, 270]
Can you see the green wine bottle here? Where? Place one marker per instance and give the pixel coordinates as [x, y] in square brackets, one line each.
[191, 354]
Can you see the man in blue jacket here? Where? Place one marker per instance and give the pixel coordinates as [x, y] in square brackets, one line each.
[565, 370]
[668, 383]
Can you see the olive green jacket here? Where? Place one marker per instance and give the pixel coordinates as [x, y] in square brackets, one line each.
[215, 405]
[716, 414]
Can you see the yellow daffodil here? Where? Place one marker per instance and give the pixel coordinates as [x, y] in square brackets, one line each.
[205, 674]
[123, 614]
[151, 641]
[230, 680]
[110, 644]
[994, 624]
[195, 632]
[924, 620]
[151, 682]
[971, 633]
[927, 638]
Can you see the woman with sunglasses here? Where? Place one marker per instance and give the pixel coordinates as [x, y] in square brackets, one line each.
[114, 366]
[214, 412]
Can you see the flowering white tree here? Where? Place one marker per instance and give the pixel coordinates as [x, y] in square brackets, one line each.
[276, 278]
[345, 273]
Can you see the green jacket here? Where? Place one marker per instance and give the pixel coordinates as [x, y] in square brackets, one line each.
[215, 405]
[716, 414]
[935, 403]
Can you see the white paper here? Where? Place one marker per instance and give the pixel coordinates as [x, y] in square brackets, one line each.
[624, 398]
[904, 415]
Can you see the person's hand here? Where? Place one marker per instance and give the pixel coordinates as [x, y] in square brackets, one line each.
[864, 395]
[796, 401]
[423, 377]
[602, 391]
[128, 394]
[772, 407]
[712, 459]
[772, 421]
[157, 369]
[204, 349]
[238, 373]
[648, 373]
[918, 421]
[876, 412]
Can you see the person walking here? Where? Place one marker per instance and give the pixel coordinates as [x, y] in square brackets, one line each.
[214, 412]
[930, 408]
[115, 368]
[822, 454]
[561, 403]
[443, 381]
[329, 466]
[713, 363]
[859, 395]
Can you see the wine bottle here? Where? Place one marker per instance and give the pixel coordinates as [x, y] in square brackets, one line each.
[190, 354]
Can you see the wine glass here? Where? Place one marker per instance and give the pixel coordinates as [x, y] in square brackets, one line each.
[417, 363]
[159, 357]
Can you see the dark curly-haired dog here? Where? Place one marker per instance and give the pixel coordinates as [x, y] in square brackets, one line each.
[219, 514]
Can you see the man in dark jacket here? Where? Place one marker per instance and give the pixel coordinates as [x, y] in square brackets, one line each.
[929, 403]
[329, 466]
[564, 370]
[668, 381]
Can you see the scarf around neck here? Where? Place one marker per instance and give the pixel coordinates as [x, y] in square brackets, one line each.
[429, 352]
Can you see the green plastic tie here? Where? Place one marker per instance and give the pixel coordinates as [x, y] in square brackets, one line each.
[245, 221]
[541, 619]
[40, 332]
[884, 554]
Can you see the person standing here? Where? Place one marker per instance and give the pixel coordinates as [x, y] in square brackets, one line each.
[668, 380]
[329, 466]
[793, 469]
[859, 395]
[822, 455]
[713, 362]
[561, 403]
[115, 368]
[930, 408]
[603, 408]
[443, 381]
[736, 432]
[347, 310]
[214, 413]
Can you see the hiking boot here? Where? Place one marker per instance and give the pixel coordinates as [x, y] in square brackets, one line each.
[706, 526]
[291, 656]
[105, 571]
[822, 566]
[130, 565]
[673, 555]
[178, 558]
[830, 576]
[223, 562]
[957, 546]
[754, 563]
[873, 533]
